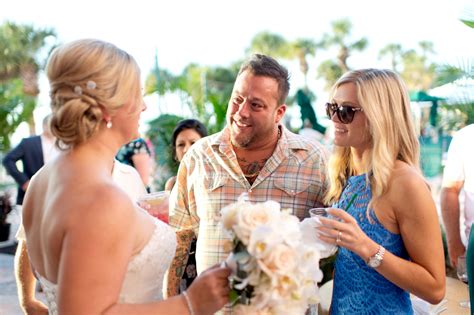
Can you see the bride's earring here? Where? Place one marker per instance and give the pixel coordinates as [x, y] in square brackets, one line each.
[109, 124]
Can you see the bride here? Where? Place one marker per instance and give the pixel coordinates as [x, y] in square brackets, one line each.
[92, 249]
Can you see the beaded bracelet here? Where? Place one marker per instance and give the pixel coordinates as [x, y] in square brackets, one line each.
[188, 302]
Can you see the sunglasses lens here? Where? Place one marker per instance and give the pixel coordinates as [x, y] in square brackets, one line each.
[328, 113]
[346, 114]
[329, 110]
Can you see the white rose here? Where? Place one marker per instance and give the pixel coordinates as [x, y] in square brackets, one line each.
[229, 215]
[282, 259]
[252, 216]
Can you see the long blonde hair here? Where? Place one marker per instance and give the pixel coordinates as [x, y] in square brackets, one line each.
[384, 99]
[88, 78]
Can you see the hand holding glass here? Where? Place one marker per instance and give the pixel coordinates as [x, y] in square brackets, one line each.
[157, 204]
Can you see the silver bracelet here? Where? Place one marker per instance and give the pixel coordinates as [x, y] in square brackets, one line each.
[188, 302]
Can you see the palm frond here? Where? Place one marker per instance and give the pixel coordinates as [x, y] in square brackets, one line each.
[467, 16]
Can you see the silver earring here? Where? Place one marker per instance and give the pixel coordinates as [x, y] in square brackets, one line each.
[109, 124]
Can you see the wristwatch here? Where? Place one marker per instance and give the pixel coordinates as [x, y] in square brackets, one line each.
[376, 260]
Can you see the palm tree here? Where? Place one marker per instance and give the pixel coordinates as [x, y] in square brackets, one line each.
[340, 37]
[301, 49]
[418, 72]
[394, 52]
[341, 32]
[468, 16]
[269, 44]
[450, 73]
[21, 48]
[462, 106]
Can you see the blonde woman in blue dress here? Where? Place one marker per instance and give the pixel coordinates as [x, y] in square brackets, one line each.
[94, 251]
[389, 238]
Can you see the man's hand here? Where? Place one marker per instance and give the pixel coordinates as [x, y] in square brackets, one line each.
[25, 185]
[455, 249]
[35, 307]
[450, 210]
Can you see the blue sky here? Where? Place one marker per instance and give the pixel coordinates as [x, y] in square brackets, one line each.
[212, 32]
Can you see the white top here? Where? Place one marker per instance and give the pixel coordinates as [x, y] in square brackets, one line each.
[143, 281]
[127, 178]
[50, 150]
[311, 134]
[460, 167]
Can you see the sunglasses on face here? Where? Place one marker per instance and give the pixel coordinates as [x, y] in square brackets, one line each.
[344, 113]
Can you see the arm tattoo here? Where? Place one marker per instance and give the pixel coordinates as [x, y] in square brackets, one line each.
[178, 265]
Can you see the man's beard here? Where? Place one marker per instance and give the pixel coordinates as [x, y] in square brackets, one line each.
[241, 141]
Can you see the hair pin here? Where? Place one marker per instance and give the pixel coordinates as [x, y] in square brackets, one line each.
[91, 85]
[78, 90]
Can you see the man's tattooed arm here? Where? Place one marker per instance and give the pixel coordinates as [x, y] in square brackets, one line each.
[178, 265]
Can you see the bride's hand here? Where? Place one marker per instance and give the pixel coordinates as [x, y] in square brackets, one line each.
[210, 291]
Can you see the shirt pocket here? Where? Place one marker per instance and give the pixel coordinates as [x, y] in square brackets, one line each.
[295, 194]
[292, 187]
[210, 198]
[216, 182]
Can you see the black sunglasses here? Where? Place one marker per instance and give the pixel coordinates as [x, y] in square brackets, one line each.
[344, 113]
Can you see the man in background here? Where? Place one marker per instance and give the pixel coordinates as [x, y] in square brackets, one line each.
[458, 175]
[33, 152]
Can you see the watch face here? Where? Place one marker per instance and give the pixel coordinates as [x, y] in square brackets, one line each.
[374, 262]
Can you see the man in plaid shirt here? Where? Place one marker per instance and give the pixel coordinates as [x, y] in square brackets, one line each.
[253, 154]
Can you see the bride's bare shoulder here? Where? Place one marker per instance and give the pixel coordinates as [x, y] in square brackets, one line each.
[103, 204]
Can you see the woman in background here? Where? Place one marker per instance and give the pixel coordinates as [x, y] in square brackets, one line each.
[185, 134]
[389, 235]
[136, 153]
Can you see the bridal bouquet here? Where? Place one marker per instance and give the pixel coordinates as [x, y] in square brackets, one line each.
[274, 271]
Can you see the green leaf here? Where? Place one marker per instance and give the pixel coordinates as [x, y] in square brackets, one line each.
[233, 296]
[469, 23]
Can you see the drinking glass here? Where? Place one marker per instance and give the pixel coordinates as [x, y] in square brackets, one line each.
[316, 214]
[156, 203]
[462, 275]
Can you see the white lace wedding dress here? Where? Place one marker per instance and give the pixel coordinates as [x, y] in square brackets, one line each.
[144, 278]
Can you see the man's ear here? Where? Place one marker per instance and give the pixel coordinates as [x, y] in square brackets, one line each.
[280, 112]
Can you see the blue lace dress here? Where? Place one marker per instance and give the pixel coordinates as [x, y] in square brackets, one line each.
[359, 289]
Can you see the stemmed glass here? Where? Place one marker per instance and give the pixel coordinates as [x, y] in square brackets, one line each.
[462, 275]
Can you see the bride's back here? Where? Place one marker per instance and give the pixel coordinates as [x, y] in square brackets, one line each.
[61, 198]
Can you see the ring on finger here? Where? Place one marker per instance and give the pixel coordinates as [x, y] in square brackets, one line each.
[338, 239]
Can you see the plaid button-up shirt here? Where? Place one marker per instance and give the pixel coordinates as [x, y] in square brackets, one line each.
[210, 178]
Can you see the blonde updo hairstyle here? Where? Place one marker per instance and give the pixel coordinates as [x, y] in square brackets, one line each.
[89, 78]
[384, 98]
